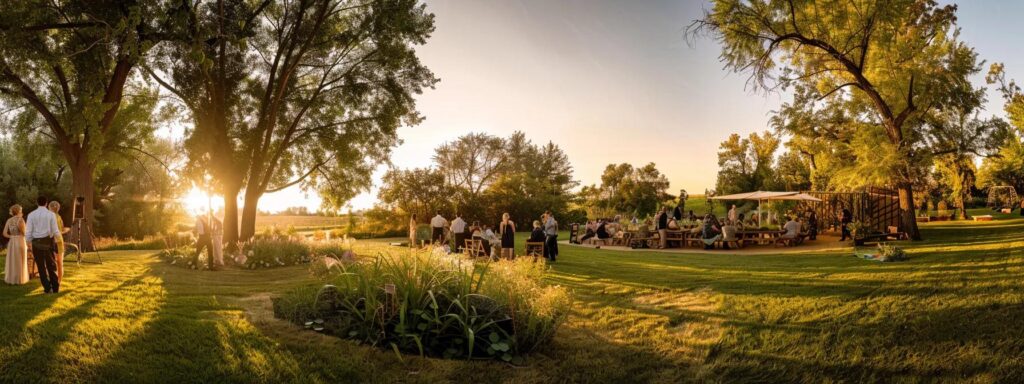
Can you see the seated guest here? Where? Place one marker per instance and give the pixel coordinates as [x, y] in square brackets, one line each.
[537, 236]
[697, 228]
[792, 228]
[602, 233]
[692, 217]
[728, 235]
[710, 232]
[591, 228]
[740, 223]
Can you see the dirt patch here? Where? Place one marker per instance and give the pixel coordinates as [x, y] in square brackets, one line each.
[259, 310]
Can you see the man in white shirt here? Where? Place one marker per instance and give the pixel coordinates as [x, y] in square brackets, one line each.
[204, 241]
[40, 232]
[437, 225]
[792, 228]
[551, 233]
[459, 232]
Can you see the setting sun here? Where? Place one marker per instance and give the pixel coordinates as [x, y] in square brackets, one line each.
[198, 201]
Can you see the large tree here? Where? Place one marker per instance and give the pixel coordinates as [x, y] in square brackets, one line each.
[204, 64]
[307, 93]
[473, 161]
[67, 63]
[626, 189]
[747, 164]
[897, 57]
[331, 83]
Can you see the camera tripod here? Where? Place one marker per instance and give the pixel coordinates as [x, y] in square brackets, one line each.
[80, 223]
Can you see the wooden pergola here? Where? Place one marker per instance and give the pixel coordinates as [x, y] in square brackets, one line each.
[876, 208]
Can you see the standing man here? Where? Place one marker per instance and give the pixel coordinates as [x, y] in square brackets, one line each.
[205, 241]
[40, 234]
[845, 218]
[733, 217]
[459, 231]
[437, 228]
[550, 237]
[661, 223]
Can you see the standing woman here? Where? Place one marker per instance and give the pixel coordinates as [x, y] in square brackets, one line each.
[412, 231]
[17, 251]
[59, 252]
[508, 237]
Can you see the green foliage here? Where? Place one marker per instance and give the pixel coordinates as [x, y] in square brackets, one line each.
[435, 305]
[889, 252]
[179, 256]
[627, 190]
[748, 164]
[272, 252]
[481, 176]
[1004, 169]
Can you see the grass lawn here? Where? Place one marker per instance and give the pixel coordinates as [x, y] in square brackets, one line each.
[951, 313]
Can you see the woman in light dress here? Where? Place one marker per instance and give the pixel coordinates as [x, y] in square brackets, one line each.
[412, 231]
[217, 237]
[17, 251]
[55, 208]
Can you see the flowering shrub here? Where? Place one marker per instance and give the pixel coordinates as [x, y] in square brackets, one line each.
[275, 252]
[433, 304]
[180, 256]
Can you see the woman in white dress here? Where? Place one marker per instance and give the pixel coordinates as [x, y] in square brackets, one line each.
[217, 236]
[16, 270]
[412, 231]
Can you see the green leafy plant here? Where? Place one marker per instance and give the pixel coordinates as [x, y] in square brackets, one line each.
[857, 229]
[889, 252]
[433, 304]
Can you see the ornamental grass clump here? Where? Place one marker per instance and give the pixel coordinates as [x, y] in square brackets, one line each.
[433, 304]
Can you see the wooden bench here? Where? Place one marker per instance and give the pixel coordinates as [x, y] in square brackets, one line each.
[895, 234]
[790, 241]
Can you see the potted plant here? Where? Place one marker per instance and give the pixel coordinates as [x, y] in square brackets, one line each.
[858, 231]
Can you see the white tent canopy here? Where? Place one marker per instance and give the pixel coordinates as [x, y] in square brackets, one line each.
[757, 195]
[769, 196]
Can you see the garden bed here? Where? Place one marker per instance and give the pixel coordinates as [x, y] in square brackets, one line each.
[432, 304]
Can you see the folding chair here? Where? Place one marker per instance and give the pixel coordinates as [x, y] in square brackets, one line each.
[475, 248]
[535, 249]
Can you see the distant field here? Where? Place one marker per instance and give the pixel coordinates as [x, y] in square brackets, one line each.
[300, 222]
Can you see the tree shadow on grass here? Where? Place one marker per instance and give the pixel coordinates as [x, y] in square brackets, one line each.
[967, 343]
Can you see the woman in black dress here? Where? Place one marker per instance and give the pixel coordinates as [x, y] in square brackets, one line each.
[508, 239]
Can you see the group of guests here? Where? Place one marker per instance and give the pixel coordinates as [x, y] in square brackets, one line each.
[599, 231]
[500, 243]
[40, 234]
[711, 229]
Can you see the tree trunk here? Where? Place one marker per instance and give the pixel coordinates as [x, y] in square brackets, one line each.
[249, 215]
[82, 185]
[231, 216]
[906, 194]
[961, 204]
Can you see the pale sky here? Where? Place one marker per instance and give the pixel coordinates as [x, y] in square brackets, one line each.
[609, 82]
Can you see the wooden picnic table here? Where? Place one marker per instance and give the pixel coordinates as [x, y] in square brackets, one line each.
[761, 237]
